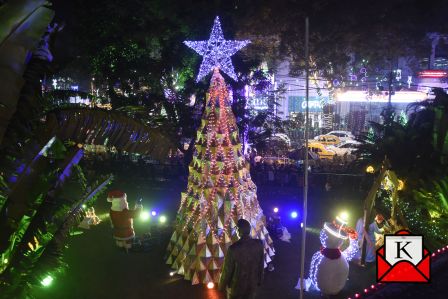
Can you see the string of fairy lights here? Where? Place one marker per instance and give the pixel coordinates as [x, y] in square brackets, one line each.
[219, 189]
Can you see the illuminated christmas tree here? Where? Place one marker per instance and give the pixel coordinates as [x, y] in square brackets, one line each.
[220, 190]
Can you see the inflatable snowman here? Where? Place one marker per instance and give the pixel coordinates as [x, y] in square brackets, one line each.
[329, 266]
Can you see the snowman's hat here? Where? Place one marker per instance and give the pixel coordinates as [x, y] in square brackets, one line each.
[336, 231]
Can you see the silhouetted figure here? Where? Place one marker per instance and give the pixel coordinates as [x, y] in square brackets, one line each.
[243, 266]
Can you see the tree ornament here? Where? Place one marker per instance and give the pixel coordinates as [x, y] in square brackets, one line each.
[216, 52]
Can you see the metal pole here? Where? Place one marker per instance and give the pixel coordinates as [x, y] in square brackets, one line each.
[305, 185]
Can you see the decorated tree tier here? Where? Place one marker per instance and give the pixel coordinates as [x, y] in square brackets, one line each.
[220, 190]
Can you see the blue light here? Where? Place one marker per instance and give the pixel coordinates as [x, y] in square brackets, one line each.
[275, 210]
[294, 215]
[153, 213]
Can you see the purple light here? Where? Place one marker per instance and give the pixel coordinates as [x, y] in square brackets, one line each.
[216, 52]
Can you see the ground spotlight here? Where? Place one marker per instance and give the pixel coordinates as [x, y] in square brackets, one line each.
[172, 273]
[210, 285]
[153, 213]
[162, 219]
[294, 215]
[275, 210]
[144, 216]
[47, 281]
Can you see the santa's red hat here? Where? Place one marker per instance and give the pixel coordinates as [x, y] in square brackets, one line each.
[115, 194]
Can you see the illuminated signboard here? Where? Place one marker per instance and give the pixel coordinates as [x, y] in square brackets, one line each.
[259, 103]
[433, 74]
[298, 104]
[398, 97]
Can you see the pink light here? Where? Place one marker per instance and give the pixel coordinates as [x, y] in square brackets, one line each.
[433, 254]
[366, 290]
[357, 295]
[433, 74]
[372, 286]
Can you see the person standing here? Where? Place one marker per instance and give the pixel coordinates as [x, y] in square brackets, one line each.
[243, 268]
[377, 227]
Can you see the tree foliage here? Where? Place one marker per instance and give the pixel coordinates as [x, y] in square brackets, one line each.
[417, 152]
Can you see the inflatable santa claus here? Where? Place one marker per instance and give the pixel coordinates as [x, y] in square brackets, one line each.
[329, 266]
[122, 218]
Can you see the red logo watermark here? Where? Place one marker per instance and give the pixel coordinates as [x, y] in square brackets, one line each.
[403, 258]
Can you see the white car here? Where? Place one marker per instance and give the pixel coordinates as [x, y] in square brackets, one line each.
[344, 148]
[343, 135]
[282, 137]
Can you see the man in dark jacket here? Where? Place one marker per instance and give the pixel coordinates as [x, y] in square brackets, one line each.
[243, 266]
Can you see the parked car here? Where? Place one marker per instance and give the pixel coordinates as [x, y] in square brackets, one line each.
[283, 137]
[319, 149]
[342, 135]
[344, 148]
[327, 139]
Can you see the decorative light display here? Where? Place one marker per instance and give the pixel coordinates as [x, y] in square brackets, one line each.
[400, 185]
[47, 281]
[216, 52]
[329, 237]
[219, 192]
[342, 217]
[144, 216]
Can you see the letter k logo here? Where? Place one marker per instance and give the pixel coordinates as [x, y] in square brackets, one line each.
[399, 249]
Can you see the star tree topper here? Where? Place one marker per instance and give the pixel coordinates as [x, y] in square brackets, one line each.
[216, 52]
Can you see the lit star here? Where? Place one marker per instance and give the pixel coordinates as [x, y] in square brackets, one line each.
[216, 52]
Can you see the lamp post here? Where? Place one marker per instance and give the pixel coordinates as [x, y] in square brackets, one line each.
[305, 176]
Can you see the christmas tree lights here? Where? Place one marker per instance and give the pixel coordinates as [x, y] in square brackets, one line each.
[220, 190]
[216, 52]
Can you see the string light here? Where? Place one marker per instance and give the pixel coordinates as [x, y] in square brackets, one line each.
[216, 52]
[216, 171]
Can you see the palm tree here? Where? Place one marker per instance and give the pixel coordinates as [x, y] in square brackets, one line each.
[40, 150]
